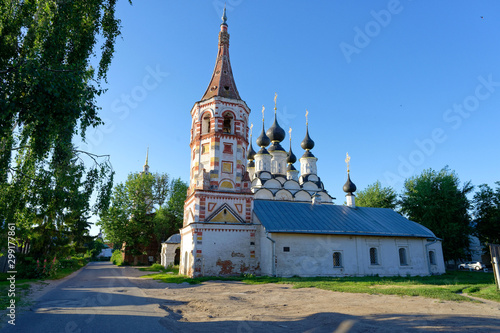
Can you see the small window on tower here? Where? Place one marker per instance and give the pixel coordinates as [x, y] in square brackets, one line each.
[205, 126]
[205, 148]
[286, 249]
[227, 124]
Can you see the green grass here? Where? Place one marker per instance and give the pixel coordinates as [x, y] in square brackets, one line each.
[448, 286]
[23, 285]
[71, 266]
[160, 268]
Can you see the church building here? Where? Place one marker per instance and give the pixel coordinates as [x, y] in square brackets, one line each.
[249, 212]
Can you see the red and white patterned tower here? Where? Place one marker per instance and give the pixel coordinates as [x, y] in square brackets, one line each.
[219, 196]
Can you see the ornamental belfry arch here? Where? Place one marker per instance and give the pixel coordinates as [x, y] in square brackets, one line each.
[218, 237]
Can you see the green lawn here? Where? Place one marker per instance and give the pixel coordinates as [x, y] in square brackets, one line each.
[448, 286]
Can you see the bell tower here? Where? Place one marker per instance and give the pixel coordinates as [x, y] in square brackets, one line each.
[219, 197]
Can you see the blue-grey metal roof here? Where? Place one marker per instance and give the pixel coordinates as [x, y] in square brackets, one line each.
[174, 239]
[296, 217]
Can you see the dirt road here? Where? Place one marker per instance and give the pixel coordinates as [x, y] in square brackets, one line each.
[105, 298]
[237, 307]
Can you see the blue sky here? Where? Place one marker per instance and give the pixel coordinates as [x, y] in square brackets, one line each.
[402, 86]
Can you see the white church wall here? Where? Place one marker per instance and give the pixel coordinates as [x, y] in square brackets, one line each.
[226, 249]
[187, 249]
[168, 253]
[302, 196]
[325, 198]
[310, 186]
[313, 255]
[264, 194]
[291, 185]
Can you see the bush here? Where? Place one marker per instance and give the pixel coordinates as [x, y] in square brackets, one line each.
[157, 267]
[117, 258]
[31, 268]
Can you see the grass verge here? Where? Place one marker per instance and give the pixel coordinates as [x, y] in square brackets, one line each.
[446, 287]
[23, 285]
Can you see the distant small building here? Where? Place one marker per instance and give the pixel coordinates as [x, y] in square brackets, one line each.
[107, 252]
[170, 251]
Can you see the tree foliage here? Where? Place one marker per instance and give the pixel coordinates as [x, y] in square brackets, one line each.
[48, 92]
[168, 219]
[436, 200]
[486, 222]
[377, 196]
[138, 215]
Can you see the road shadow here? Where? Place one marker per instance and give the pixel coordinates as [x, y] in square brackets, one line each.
[324, 322]
[336, 322]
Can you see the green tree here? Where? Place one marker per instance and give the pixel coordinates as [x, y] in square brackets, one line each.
[168, 219]
[377, 196]
[48, 92]
[436, 200]
[486, 222]
[95, 247]
[138, 215]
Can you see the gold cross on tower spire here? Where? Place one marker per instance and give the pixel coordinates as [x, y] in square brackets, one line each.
[275, 96]
[347, 160]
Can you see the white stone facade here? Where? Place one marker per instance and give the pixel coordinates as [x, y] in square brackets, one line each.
[218, 249]
[313, 255]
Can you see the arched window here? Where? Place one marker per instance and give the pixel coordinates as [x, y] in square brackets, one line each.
[337, 259]
[228, 123]
[403, 260]
[432, 257]
[373, 256]
[205, 126]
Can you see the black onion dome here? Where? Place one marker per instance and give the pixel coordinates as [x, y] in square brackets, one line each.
[275, 146]
[307, 143]
[349, 186]
[250, 152]
[290, 167]
[275, 132]
[307, 153]
[291, 157]
[262, 151]
[263, 140]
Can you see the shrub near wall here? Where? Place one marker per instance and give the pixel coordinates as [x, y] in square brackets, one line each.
[117, 258]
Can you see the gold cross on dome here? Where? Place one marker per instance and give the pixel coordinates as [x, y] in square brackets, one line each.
[307, 112]
[275, 96]
[251, 126]
[347, 160]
